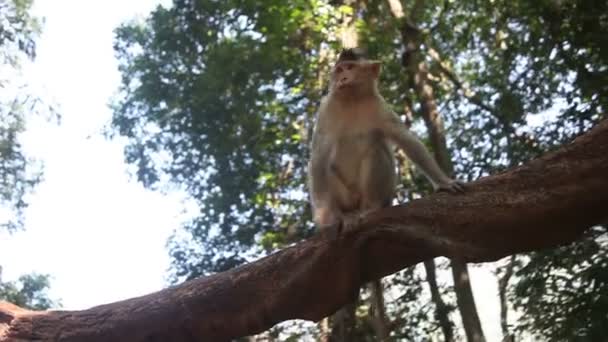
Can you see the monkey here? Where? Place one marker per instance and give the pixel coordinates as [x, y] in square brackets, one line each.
[351, 170]
[352, 163]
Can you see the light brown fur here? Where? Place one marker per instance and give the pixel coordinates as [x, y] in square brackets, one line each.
[352, 167]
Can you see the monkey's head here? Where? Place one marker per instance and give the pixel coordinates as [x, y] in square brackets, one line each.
[358, 77]
[354, 74]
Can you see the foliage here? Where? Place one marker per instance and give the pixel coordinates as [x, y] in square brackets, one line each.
[218, 89]
[568, 287]
[414, 317]
[18, 173]
[18, 29]
[29, 291]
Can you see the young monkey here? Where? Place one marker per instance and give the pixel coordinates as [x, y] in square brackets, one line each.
[352, 165]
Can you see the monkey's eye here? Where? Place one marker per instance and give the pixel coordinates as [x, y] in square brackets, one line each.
[339, 70]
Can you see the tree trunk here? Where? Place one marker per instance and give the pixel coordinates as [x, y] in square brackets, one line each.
[418, 71]
[381, 325]
[441, 310]
[434, 125]
[348, 32]
[545, 203]
[503, 282]
[344, 323]
[324, 330]
[466, 302]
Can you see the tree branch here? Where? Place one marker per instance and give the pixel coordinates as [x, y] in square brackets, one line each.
[467, 92]
[475, 99]
[545, 203]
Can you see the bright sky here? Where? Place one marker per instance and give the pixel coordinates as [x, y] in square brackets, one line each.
[98, 232]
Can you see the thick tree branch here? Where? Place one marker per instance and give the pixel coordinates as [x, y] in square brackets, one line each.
[545, 203]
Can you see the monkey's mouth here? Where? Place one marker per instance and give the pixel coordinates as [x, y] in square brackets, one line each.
[346, 85]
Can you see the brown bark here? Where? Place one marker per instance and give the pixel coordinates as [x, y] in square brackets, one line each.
[441, 309]
[544, 203]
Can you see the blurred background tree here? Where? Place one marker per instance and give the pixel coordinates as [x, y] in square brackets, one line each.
[29, 291]
[218, 99]
[18, 30]
[19, 174]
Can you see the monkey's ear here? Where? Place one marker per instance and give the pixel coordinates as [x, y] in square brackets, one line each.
[375, 68]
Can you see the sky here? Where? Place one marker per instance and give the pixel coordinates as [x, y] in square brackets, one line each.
[92, 226]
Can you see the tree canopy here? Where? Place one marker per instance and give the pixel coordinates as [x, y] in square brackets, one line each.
[18, 30]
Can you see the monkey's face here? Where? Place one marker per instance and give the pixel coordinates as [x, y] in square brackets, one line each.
[354, 76]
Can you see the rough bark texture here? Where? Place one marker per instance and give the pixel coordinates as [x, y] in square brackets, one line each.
[545, 203]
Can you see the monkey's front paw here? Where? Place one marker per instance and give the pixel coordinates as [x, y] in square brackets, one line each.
[452, 186]
[348, 222]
